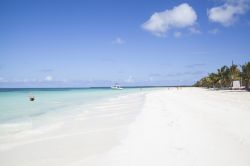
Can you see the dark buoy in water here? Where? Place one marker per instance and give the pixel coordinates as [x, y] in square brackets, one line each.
[32, 98]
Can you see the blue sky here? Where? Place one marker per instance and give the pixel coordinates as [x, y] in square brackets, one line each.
[63, 43]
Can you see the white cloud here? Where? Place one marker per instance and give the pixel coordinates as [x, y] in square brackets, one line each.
[193, 30]
[118, 40]
[177, 34]
[130, 79]
[228, 13]
[181, 16]
[48, 78]
[214, 31]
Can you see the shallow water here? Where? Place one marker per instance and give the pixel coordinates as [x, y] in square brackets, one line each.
[15, 104]
[51, 106]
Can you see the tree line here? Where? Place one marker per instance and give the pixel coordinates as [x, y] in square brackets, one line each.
[224, 77]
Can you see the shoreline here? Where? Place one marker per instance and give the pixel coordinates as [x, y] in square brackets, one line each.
[189, 126]
[81, 134]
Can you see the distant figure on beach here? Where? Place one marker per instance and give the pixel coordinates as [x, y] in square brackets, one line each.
[32, 98]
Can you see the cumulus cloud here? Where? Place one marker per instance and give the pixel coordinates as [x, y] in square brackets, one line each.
[213, 31]
[118, 40]
[194, 30]
[177, 34]
[228, 13]
[181, 16]
[48, 78]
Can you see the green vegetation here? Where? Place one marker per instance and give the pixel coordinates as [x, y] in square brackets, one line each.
[224, 77]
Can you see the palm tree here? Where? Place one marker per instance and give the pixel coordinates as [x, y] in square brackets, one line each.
[245, 74]
[234, 73]
[214, 79]
[224, 76]
[206, 82]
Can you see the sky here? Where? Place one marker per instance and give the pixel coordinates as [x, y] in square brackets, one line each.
[85, 43]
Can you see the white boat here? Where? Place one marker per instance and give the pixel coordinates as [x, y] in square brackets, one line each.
[116, 87]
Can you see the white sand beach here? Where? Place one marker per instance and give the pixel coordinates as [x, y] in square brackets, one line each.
[190, 126]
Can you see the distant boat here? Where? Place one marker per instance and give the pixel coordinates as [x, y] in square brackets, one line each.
[116, 87]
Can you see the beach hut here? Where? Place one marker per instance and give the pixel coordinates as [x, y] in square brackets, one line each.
[236, 85]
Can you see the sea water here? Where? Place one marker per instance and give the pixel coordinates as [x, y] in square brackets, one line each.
[18, 113]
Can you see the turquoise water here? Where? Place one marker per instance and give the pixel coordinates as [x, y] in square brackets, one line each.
[15, 104]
